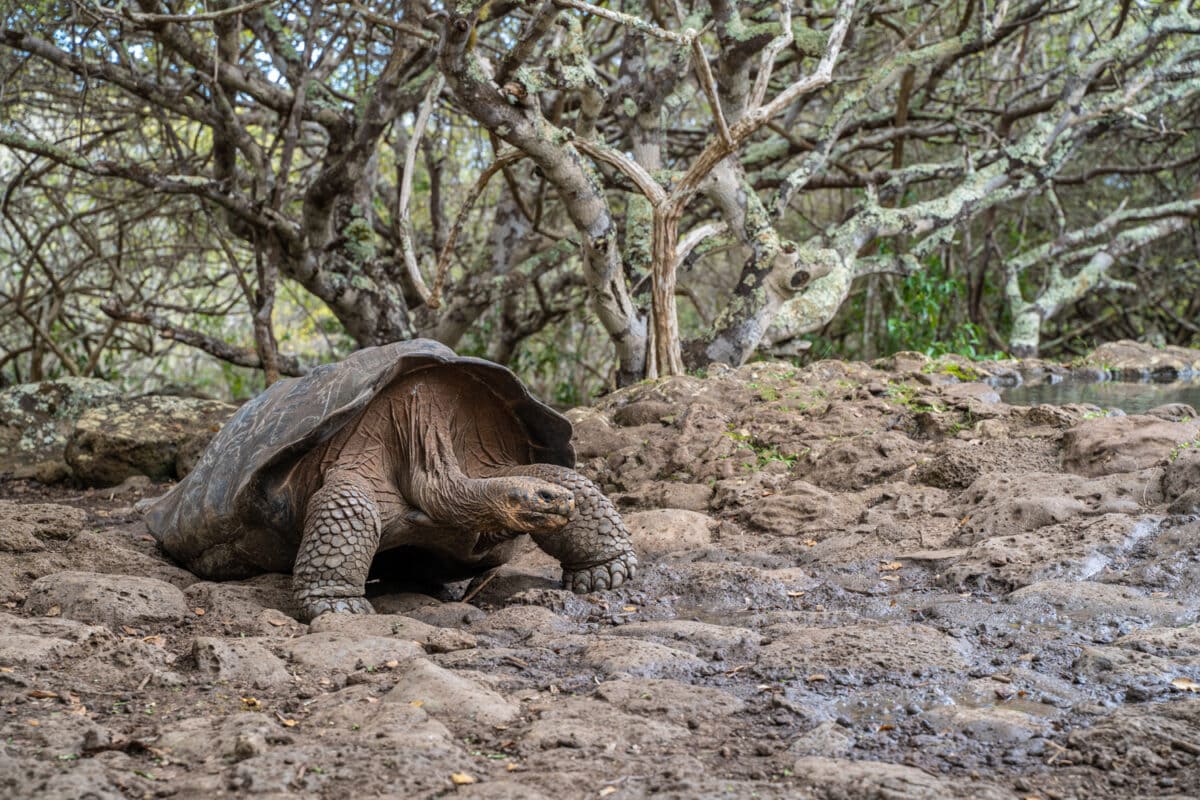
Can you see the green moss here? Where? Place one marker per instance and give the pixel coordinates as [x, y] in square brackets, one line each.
[764, 453]
[360, 240]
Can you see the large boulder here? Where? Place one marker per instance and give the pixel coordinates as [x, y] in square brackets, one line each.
[37, 418]
[158, 436]
[1129, 360]
[102, 599]
[1107, 445]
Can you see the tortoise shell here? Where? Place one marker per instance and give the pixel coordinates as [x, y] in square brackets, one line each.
[240, 488]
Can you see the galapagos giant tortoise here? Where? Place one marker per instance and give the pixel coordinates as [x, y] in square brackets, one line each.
[426, 463]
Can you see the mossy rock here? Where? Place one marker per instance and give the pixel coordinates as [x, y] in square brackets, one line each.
[157, 436]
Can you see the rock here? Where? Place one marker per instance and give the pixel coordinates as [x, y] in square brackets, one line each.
[1077, 550]
[989, 725]
[897, 652]
[1142, 676]
[612, 656]
[869, 458]
[973, 397]
[668, 530]
[359, 716]
[432, 638]
[39, 641]
[1082, 601]
[25, 527]
[1129, 360]
[1108, 445]
[37, 418]
[667, 494]
[158, 436]
[241, 662]
[646, 412]
[445, 615]
[517, 622]
[716, 642]
[449, 696]
[342, 652]
[828, 740]
[674, 701]
[87, 778]
[240, 604]
[840, 779]
[618, 655]
[1174, 412]
[112, 600]
[1181, 479]
[199, 739]
[584, 723]
[1141, 738]
[1004, 504]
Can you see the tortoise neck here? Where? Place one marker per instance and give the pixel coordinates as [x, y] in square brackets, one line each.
[448, 495]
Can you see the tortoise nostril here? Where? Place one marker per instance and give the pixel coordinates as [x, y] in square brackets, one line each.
[547, 496]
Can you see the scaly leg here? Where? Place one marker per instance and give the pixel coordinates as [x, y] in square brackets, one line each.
[341, 535]
[594, 548]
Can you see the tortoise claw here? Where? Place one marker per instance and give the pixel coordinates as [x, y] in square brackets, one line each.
[607, 575]
[316, 606]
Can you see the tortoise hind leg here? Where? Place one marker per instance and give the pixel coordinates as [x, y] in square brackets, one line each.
[341, 535]
[594, 548]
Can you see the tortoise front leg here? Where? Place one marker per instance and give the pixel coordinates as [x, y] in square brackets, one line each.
[341, 535]
[594, 547]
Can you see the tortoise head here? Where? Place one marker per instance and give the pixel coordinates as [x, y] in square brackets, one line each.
[528, 504]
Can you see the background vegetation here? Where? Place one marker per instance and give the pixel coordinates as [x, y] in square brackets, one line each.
[213, 194]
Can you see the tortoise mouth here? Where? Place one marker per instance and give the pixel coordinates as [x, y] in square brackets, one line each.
[545, 519]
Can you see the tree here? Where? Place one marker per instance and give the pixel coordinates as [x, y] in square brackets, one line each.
[785, 154]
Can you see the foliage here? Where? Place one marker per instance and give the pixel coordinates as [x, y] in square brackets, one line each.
[267, 187]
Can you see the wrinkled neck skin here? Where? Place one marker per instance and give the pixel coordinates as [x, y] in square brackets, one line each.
[449, 496]
[430, 476]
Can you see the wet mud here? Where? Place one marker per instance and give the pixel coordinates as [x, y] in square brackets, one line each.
[857, 582]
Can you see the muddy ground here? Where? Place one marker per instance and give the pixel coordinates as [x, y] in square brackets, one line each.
[857, 582]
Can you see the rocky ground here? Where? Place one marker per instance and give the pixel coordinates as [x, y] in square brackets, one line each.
[858, 582]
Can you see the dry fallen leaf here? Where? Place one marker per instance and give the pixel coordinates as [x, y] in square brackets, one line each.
[890, 566]
[461, 779]
[795, 594]
[6, 669]
[278, 623]
[251, 702]
[512, 766]
[155, 640]
[130, 631]
[887, 728]
[54, 611]
[33, 722]
[607, 790]
[810, 542]
[629, 608]
[1186, 685]
[391, 664]
[199, 612]
[287, 722]
[42, 694]
[890, 578]
[417, 703]
[817, 678]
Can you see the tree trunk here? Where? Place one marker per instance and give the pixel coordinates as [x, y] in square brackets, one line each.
[667, 355]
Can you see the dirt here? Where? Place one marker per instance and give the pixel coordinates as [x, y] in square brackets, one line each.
[857, 582]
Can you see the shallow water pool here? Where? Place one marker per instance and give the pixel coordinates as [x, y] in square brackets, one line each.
[1132, 398]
